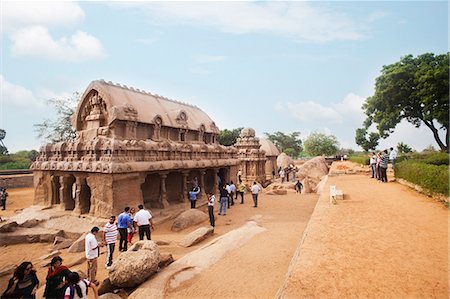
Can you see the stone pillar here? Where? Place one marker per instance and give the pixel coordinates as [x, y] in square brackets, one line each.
[65, 193]
[202, 184]
[78, 182]
[215, 184]
[55, 191]
[185, 175]
[163, 195]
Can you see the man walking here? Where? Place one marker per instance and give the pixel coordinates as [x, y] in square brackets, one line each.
[110, 236]
[393, 157]
[92, 250]
[241, 191]
[123, 223]
[223, 200]
[211, 200]
[143, 219]
[232, 192]
[255, 191]
[384, 165]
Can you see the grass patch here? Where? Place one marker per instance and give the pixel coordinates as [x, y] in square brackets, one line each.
[360, 159]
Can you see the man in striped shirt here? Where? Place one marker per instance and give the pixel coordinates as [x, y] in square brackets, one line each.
[383, 166]
[110, 236]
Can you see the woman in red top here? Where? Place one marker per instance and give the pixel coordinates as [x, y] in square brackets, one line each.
[56, 279]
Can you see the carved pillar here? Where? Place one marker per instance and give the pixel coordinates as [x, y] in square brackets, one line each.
[163, 195]
[215, 189]
[184, 188]
[65, 193]
[55, 191]
[202, 184]
[76, 196]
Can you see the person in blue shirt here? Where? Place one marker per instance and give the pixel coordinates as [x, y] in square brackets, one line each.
[193, 196]
[123, 223]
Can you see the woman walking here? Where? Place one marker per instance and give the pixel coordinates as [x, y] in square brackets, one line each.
[23, 284]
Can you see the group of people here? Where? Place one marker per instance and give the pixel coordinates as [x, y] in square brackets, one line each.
[3, 197]
[60, 283]
[284, 173]
[379, 163]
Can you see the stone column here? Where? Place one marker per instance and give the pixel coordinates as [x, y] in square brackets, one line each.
[215, 184]
[78, 182]
[184, 188]
[163, 195]
[65, 193]
[202, 184]
[55, 191]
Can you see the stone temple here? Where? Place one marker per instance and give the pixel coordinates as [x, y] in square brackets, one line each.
[134, 147]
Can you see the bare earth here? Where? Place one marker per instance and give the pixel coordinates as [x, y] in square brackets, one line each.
[383, 240]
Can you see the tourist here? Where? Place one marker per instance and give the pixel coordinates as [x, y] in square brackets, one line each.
[223, 200]
[92, 249]
[294, 171]
[193, 196]
[229, 194]
[281, 173]
[123, 223]
[298, 187]
[239, 176]
[378, 166]
[110, 236]
[78, 288]
[232, 192]
[211, 200]
[255, 191]
[56, 279]
[241, 191]
[383, 165]
[143, 219]
[393, 157]
[132, 229]
[3, 197]
[373, 164]
[23, 284]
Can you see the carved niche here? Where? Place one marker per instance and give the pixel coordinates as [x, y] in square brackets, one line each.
[94, 111]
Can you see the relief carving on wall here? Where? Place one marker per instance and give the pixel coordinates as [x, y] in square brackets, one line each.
[95, 108]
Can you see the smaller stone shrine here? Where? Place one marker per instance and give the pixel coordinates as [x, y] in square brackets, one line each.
[252, 158]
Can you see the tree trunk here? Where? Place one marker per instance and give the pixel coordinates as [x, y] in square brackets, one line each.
[442, 146]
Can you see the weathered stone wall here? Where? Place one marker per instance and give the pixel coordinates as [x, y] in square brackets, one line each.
[101, 194]
[42, 188]
[16, 181]
[125, 190]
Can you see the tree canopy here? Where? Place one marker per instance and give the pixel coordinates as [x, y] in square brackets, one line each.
[415, 89]
[59, 129]
[367, 143]
[228, 137]
[290, 144]
[318, 144]
[403, 148]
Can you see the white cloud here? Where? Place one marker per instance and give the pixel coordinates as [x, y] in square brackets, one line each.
[201, 59]
[17, 95]
[296, 20]
[350, 108]
[36, 41]
[17, 14]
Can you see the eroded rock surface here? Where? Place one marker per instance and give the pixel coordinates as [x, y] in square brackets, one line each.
[188, 218]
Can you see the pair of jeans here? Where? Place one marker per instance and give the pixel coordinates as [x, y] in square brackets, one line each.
[211, 215]
[383, 174]
[123, 242]
[109, 258]
[193, 202]
[373, 166]
[255, 199]
[223, 205]
[242, 196]
[144, 229]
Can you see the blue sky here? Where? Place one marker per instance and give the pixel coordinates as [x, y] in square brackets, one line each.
[272, 66]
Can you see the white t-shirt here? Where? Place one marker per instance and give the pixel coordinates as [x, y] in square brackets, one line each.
[142, 217]
[373, 159]
[393, 154]
[255, 189]
[83, 286]
[211, 201]
[90, 244]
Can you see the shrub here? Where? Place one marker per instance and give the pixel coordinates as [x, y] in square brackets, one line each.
[15, 165]
[433, 178]
[364, 160]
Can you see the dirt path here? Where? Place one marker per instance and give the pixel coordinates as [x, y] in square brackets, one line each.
[382, 241]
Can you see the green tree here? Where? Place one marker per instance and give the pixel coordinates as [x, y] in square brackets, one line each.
[415, 89]
[228, 137]
[59, 129]
[369, 143]
[320, 144]
[403, 148]
[290, 144]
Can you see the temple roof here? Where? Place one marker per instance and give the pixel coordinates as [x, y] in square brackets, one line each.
[130, 104]
[269, 147]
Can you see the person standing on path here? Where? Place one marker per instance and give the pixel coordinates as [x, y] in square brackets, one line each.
[378, 166]
[143, 219]
[233, 192]
[298, 187]
[123, 223]
[23, 284]
[255, 191]
[229, 194]
[223, 200]
[56, 279]
[3, 197]
[239, 176]
[393, 157]
[211, 200]
[92, 250]
[241, 191]
[131, 230]
[373, 164]
[281, 173]
[110, 236]
[384, 165]
[193, 196]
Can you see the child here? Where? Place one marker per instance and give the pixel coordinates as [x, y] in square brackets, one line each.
[78, 288]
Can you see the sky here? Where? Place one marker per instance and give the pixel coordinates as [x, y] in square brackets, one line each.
[269, 65]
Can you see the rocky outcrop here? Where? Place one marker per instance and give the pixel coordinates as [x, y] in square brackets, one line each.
[136, 265]
[78, 245]
[277, 192]
[105, 287]
[165, 260]
[188, 218]
[197, 236]
[9, 227]
[284, 160]
[315, 168]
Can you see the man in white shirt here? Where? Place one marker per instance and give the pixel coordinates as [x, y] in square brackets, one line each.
[233, 192]
[393, 157]
[92, 248]
[255, 191]
[143, 219]
[211, 200]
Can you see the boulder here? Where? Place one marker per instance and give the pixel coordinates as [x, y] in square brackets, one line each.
[136, 265]
[63, 245]
[109, 296]
[58, 240]
[315, 168]
[6, 270]
[78, 245]
[50, 255]
[284, 160]
[165, 260]
[78, 261]
[105, 287]
[161, 242]
[197, 236]
[9, 227]
[281, 186]
[30, 223]
[277, 192]
[188, 218]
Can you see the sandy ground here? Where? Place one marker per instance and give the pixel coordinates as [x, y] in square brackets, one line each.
[285, 217]
[382, 241]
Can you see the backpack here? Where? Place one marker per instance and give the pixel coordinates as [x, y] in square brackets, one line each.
[72, 289]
